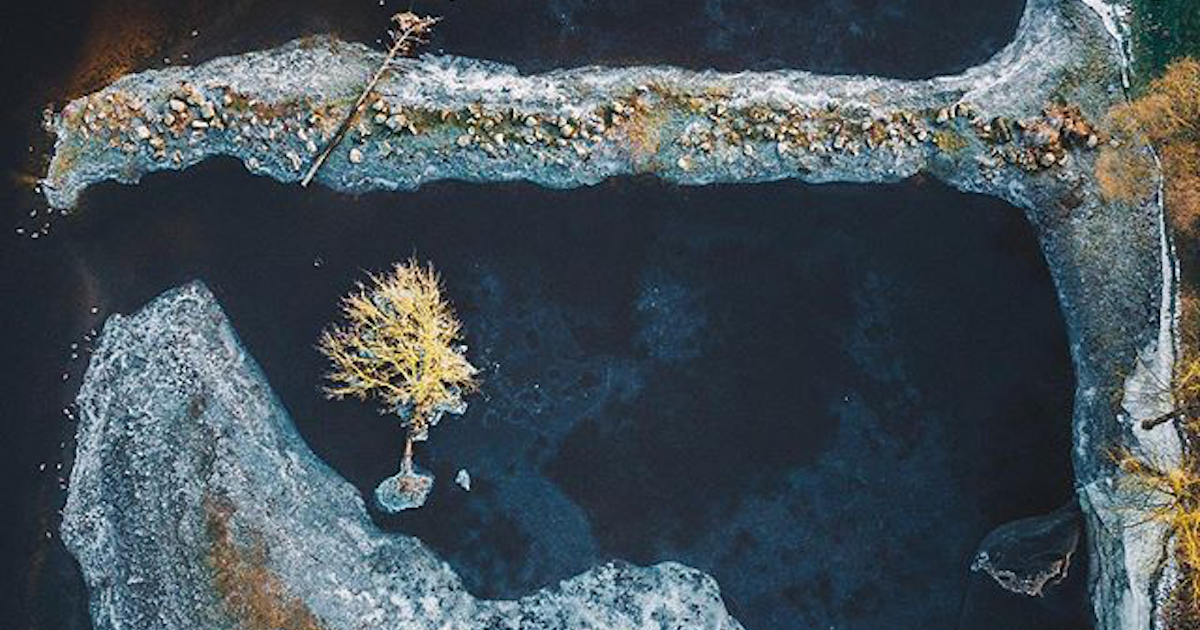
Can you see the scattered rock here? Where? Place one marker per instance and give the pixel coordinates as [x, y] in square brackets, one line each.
[463, 479]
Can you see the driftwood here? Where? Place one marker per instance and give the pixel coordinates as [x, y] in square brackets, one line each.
[412, 30]
[1150, 423]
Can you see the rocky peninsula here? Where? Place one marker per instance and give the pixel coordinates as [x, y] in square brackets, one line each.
[194, 503]
[190, 481]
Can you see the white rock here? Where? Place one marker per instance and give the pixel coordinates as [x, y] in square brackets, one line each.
[356, 156]
[463, 479]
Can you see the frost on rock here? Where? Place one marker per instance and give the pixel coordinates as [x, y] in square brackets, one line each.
[442, 117]
[405, 490]
[192, 494]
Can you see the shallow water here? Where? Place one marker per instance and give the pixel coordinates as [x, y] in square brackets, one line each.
[824, 396]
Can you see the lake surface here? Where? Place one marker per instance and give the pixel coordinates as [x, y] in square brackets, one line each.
[823, 396]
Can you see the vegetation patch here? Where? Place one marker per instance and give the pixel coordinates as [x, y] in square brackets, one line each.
[251, 593]
[1167, 118]
[949, 141]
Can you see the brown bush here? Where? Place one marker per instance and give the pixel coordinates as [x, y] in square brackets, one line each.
[1166, 117]
[1181, 163]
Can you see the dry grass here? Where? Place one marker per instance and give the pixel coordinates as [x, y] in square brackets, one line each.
[1125, 174]
[949, 141]
[1173, 499]
[254, 596]
[401, 343]
[1166, 117]
[643, 130]
[1172, 493]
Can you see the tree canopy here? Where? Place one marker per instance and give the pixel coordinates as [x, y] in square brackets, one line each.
[401, 344]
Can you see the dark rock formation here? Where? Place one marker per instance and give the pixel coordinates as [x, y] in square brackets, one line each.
[1032, 554]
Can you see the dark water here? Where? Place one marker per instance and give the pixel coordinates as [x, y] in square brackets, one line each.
[824, 396]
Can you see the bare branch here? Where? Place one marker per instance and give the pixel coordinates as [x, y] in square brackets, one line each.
[412, 30]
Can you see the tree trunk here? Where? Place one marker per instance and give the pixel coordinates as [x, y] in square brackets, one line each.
[406, 464]
[1174, 414]
[401, 40]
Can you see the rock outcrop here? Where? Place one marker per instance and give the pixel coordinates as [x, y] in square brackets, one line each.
[194, 503]
[1032, 554]
[453, 118]
[1016, 127]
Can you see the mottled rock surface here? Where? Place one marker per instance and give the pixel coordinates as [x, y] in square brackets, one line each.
[194, 503]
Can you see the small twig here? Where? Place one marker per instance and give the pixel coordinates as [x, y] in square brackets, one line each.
[413, 29]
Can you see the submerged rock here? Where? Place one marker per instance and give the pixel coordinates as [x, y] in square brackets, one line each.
[1032, 554]
[194, 503]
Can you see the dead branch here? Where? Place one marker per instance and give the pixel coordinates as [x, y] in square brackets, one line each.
[412, 30]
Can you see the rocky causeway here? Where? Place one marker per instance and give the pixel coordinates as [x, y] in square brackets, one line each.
[188, 470]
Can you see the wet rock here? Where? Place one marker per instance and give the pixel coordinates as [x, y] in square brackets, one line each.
[406, 490]
[463, 479]
[1032, 554]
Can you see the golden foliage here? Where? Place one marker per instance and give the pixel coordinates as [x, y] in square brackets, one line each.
[1170, 108]
[250, 592]
[1173, 492]
[1181, 165]
[1174, 500]
[401, 344]
[1167, 117]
